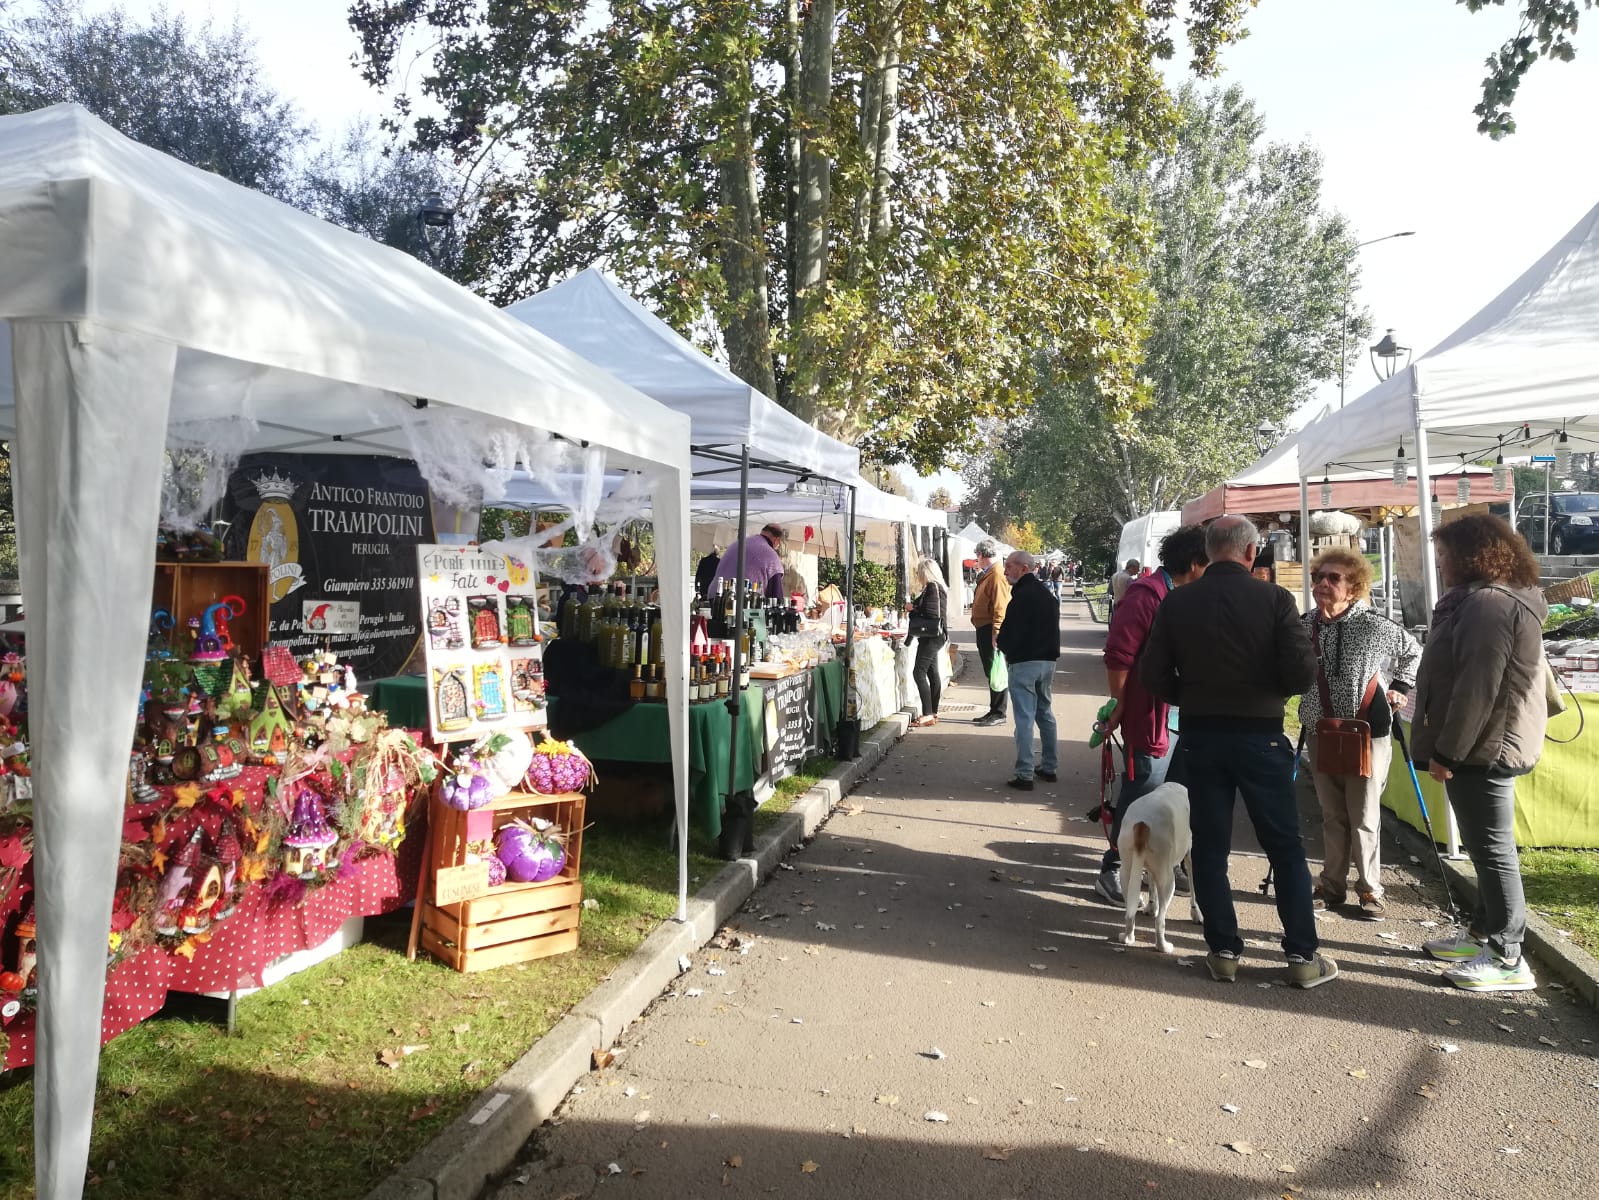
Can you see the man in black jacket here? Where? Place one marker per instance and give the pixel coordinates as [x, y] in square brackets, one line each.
[1030, 641]
[1229, 649]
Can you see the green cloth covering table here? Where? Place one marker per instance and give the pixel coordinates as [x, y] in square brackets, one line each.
[640, 735]
[403, 698]
[1556, 805]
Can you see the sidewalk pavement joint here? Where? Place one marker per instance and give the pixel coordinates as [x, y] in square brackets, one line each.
[485, 1140]
[1574, 966]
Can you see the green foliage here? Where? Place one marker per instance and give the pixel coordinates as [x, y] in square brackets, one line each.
[1546, 30]
[1249, 274]
[878, 209]
[193, 92]
[874, 583]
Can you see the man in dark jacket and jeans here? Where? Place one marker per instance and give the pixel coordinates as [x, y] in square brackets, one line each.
[1229, 649]
[1142, 717]
[1030, 642]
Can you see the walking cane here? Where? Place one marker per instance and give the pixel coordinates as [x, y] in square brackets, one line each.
[1421, 802]
[1265, 884]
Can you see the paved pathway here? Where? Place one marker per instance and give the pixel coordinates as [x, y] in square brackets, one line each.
[939, 952]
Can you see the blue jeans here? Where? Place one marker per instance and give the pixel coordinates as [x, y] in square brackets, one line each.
[1141, 774]
[1259, 766]
[1031, 684]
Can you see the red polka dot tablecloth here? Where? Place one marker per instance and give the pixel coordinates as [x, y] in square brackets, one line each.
[253, 938]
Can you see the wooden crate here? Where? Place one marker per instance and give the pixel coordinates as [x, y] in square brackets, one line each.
[514, 922]
[187, 589]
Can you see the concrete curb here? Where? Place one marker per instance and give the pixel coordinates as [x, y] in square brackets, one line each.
[1574, 966]
[485, 1140]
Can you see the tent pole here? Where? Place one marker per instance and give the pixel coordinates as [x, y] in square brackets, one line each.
[733, 688]
[1429, 581]
[849, 596]
[1304, 545]
[1387, 574]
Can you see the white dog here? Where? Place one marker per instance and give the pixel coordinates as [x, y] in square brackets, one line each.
[1155, 837]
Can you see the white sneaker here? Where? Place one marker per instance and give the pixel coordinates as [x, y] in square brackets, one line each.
[1457, 947]
[1490, 973]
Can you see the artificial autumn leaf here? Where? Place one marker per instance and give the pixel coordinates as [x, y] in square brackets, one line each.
[158, 860]
[158, 832]
[186, 949]
[132, 831]
[186, 795]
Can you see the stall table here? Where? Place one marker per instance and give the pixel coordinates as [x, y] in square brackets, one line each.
[1554, 804]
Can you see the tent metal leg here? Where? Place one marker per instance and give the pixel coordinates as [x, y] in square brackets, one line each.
[738, 622]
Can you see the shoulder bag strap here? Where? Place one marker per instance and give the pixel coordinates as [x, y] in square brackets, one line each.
[1321, 675]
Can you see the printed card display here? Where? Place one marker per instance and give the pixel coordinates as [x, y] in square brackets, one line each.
[332, 616]
[485, 654]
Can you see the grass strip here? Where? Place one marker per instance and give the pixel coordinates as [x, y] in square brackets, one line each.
[301, 1102]
[1563, 886]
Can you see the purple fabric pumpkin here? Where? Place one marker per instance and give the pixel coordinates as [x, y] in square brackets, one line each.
[529, 857]
[496, 869]
[466, 792]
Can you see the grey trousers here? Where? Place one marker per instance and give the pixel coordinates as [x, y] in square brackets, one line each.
[1351, 824]
[1485, 811]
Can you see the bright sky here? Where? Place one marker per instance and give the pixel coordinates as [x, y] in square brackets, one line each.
[1385, 88]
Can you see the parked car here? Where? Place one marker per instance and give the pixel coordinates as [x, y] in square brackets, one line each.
[1573, 522]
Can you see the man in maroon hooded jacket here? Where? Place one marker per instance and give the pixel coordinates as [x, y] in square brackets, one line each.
[1141, 718]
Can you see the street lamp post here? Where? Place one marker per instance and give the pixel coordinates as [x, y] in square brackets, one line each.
[436, 219]
[1389, 351]
[1343, 329]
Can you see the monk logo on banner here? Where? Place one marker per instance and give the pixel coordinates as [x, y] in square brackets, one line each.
[275, 535]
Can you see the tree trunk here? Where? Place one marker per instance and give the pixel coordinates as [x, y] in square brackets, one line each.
[887, 147]
[815, 175]
[741, 244]
[791, 185]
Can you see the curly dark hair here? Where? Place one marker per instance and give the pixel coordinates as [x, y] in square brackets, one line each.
[1183, 548]
[1484, 548]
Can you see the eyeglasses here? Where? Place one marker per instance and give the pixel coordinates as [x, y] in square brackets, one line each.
[1327, 577]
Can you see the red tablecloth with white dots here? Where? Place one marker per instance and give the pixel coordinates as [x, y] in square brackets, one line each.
[255, 936]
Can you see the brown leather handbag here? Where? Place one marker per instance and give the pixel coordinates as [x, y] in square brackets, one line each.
[1343, 744]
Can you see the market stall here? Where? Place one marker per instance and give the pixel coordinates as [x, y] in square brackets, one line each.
[743, 441]
[148, 304]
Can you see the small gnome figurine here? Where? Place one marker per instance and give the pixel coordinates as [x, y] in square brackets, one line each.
[28, 952]
[308, 845]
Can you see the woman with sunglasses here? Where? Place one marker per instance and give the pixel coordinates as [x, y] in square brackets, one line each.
[1368, 664]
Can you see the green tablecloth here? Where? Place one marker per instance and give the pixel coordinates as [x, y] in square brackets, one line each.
[1554, 804]
[641, 735]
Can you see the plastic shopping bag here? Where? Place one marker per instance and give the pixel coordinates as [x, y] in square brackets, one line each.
[998, 676]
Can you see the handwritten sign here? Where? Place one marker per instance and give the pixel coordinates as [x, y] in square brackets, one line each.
[451, 885]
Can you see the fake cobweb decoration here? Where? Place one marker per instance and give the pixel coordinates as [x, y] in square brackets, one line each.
[469, 459]
[200, 457]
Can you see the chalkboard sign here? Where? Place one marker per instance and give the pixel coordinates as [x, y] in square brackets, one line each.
[791, 734]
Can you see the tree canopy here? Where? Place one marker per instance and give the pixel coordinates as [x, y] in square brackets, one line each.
[880, 211]
[1249, 275]
[1546, 30]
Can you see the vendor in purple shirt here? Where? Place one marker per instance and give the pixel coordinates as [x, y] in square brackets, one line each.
[763, 565]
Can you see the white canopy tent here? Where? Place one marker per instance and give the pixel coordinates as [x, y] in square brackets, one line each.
[134, 291]
[1514, 378]
[740, 437]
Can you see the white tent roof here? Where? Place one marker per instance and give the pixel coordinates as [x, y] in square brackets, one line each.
[1529, 359]
[591, 315]
[135, 290]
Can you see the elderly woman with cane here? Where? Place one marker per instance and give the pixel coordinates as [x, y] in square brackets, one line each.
[1481, 711]
[1365, 666]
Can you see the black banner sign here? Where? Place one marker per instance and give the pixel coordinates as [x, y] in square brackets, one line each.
[335, 528]
[791, 724]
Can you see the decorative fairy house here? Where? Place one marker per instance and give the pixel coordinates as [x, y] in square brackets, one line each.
[308, 845]
[519, 627]
[270, 728]
[485, 612]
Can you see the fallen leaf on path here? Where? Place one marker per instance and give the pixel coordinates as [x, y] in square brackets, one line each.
[1286, 1168]
[808, 1167]
[1358, 1073]
[1451, 1021]
[934, 1115]
[988, 1004]
[1240, 1147]
[733, 1160]
[825, 927]
[1038, 966]
[1548, 1041]
[999, 1153]
[425, 1111]
[1426, 1092]
[1448, 1047]
[1229, 1108]
[1255, 1064]
[935, 1053]
[887, 1101]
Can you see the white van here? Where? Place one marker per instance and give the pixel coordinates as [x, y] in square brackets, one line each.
[1141, 537]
